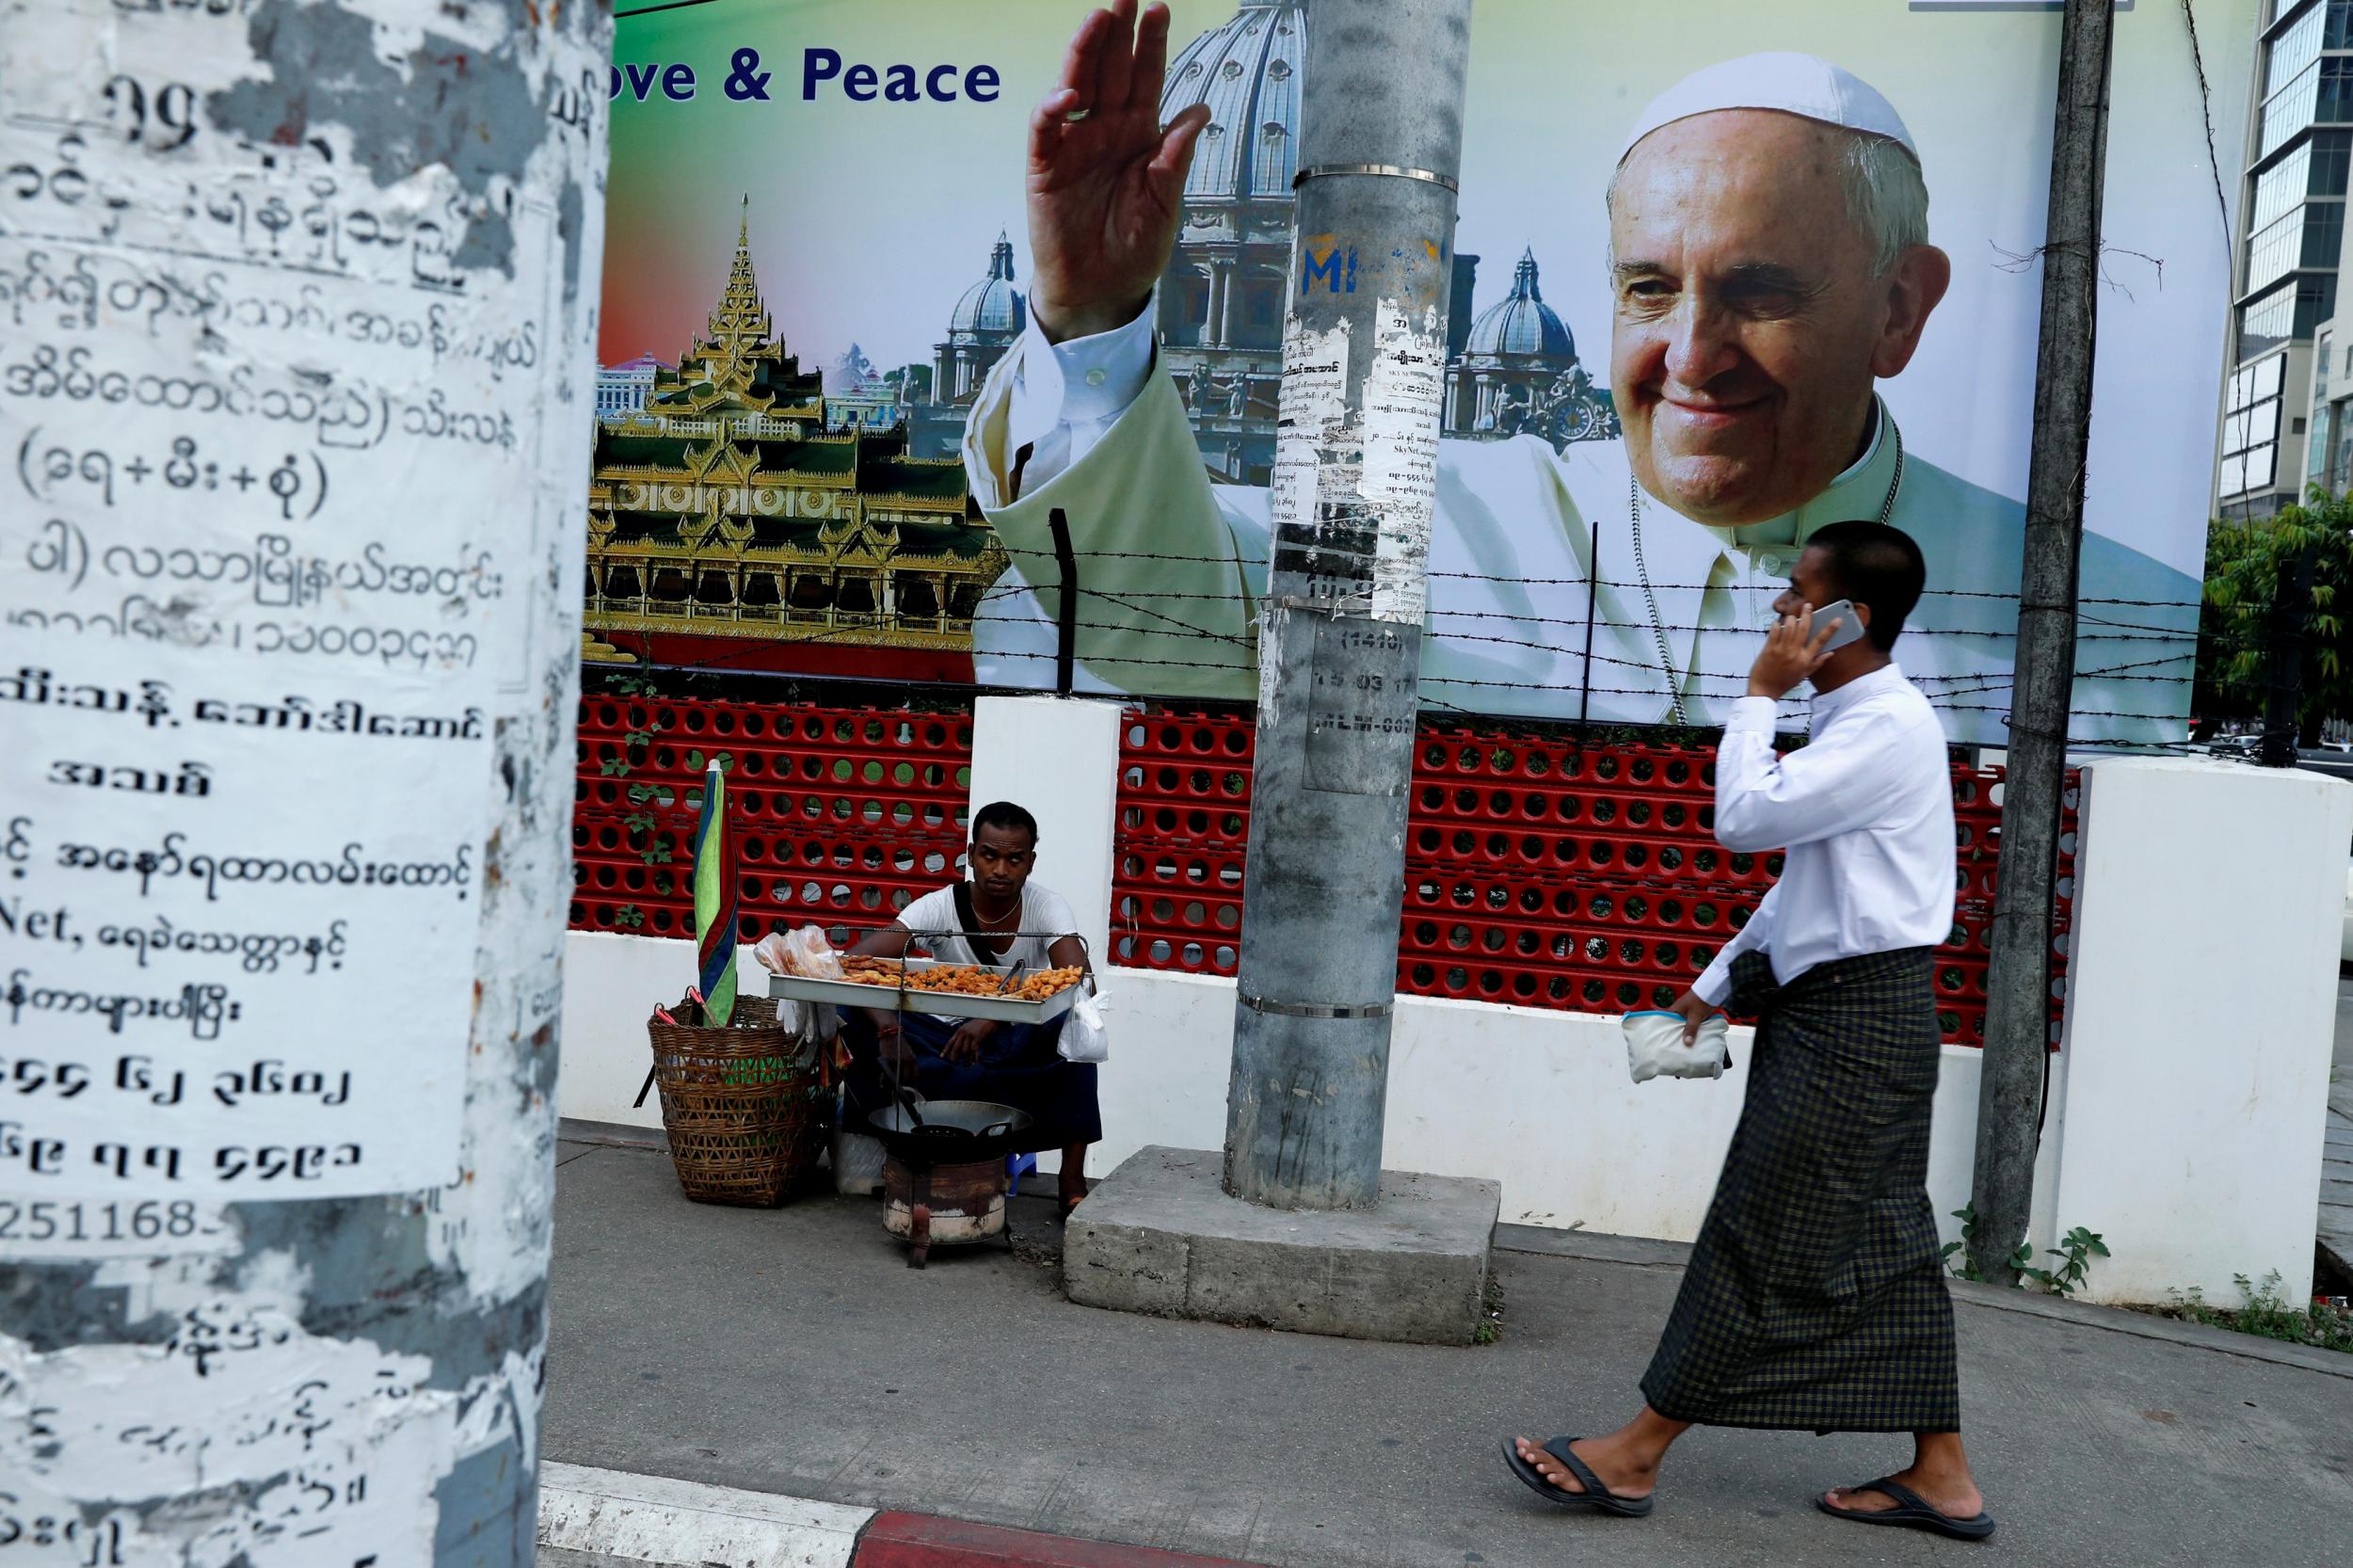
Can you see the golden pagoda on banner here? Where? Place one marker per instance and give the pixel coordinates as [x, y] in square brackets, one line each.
[731, 525]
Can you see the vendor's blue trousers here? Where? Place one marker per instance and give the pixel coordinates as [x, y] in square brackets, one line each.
[1019, 1067]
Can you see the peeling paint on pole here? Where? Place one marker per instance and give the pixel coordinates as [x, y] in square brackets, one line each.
[1354, 492]
[1404, 394]
[296, 324]
[1361, 483]
[1311, 417]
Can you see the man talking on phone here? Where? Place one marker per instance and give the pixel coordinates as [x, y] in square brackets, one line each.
[1815, 1297]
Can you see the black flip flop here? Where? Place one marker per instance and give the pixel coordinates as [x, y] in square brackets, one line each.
[1596, 1495]
[1912, 1512]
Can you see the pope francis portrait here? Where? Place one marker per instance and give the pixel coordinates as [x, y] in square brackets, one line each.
[1769, 264]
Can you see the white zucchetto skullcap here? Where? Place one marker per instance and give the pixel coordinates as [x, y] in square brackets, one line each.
[1792, 83]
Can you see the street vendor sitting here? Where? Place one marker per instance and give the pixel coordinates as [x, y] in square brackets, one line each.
[999, 918]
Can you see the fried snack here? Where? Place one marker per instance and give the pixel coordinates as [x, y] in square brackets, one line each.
[1046, 983]
[967, 979]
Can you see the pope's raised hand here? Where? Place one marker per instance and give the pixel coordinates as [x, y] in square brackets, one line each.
[1106, 180]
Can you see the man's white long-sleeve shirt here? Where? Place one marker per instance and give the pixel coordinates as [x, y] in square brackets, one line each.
[1864, 814]
[1066, 395]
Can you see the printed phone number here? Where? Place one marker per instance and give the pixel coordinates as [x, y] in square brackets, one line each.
[72, 1221]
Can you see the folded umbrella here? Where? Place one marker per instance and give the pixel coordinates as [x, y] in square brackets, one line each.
[714, 904]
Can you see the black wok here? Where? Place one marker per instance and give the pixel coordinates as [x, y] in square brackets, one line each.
[948, 1132]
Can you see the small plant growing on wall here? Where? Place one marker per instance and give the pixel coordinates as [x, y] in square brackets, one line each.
[2266, 1312]
[643, 827]
[646, 834]
[2074, 1253]
[1965, 1249]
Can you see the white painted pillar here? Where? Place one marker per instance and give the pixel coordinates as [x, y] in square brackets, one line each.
[1058, 758]
[2202, 977]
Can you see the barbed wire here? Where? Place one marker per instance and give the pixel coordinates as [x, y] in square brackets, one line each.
[1181, 630]
[1261, 564]
[1148, 620]
[2120, 630]
[1483, 684]
[2117, 630]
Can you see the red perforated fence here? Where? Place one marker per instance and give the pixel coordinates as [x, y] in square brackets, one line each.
[1538, 871]
[840, 815]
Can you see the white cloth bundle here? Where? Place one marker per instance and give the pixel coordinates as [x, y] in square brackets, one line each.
[1655, 1047]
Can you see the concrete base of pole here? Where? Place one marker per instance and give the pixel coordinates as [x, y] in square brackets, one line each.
[1160, 1236]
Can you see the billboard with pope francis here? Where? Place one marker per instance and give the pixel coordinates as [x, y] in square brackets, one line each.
[888, 362]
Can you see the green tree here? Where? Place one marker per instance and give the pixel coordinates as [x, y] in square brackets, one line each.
[2249, 566]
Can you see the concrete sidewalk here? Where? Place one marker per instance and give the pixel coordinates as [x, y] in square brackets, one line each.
[791, 1351]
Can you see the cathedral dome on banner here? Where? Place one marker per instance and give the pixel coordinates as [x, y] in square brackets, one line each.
[1248, 74]
[1518, 374]
[1221, 302]
[988, 319]
[990, 312]
[1521, 324]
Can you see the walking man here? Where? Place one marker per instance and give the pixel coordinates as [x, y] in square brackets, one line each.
[1815, 1297]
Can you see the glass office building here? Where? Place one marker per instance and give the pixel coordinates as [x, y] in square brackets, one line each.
[2292, 220]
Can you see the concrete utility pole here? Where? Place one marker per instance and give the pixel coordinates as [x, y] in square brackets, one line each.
[2017, 983]
[1364, 358]
[298, 307]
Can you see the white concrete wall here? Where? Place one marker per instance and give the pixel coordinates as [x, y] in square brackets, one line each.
[612, 984]
[1058, 758]
[1538, 1101]
[2202, 985]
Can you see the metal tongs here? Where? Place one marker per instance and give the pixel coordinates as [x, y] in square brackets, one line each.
[1012, 976]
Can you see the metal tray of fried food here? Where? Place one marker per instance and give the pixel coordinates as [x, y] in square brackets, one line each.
[946, 1005]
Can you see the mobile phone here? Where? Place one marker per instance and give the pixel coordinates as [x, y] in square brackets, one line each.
[1849, 624]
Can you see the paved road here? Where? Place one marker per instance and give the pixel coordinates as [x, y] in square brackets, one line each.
[792, 1350]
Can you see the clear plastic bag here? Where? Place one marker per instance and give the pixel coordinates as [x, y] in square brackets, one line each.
[1655, 1047]
[857, 1162]
[1084, 1037]
[805, 953]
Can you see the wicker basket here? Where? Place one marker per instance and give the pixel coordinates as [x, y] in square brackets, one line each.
[739, 1105]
